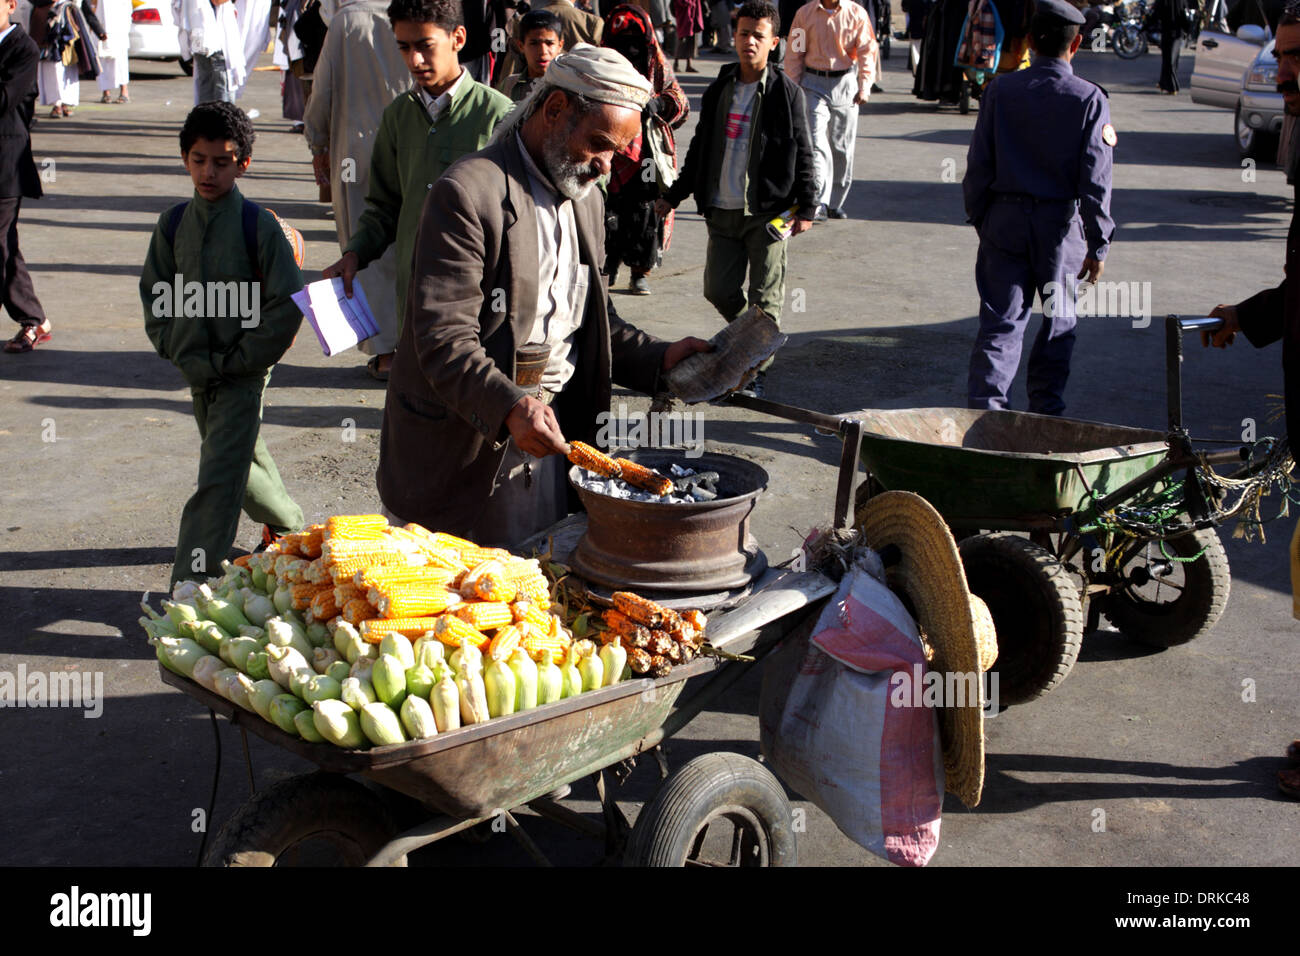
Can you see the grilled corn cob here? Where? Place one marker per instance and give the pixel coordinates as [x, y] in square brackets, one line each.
[593, 460]
[660, 666]
[485, 615]
[638, 660]
[632, 633]
[660, 643]
[639, 476]
[641, 610]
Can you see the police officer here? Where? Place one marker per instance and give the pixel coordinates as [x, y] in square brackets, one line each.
[1037, 190]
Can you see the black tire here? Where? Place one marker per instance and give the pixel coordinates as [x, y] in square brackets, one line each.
[1252, 143]
[672, 829]
[1036, 611]
[1130, 42]
[187, 67]
[272, 828]
[1140, 611]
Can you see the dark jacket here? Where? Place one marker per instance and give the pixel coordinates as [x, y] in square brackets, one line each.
[781, 170]
[1275, 314]
[472, 301]
[18, 62]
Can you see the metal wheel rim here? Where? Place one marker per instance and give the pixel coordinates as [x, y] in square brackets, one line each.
[1148, 553]
[1245, 135]
[749, 832]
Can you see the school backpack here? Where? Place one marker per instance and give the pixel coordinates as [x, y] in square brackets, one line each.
[248, 217]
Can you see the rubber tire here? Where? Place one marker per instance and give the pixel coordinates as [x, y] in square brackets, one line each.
[1130, 44]
[1252, 143]
[187, 67]
[1208, 581]
[667, 826]
[1036, 611]
[276, 818]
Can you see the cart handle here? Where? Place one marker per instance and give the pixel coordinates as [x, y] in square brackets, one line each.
[1175, 326]
[1199, 323]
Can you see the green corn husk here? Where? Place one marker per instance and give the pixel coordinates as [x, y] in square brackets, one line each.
[389, 680]
[398, 646]
[356, 693]
[180, 611]
[188, 591]
[299, 680]
[239, 650]
[525, 671]
[338, 723]
[343, 634]
[154, 630]
[381, 725]
[238, 687]
[263, 692]
[339, 670]
[358, 649]
[258, 578]
[285, 634]
[283, 708]
[550, 681]
[181, 654]
[363, 668]
[466, 655]
[321, 687]
[256, 633]
[445, 701]
[258, 666]
[284, 662]
[226, 613]
[572, 678]
[206, 670]
[282, 599]
[234, 575]
[160, 624]
[318, 635]
[499, 685]
[206, 634]
[258, 608]
[613, 658]
[428, 651]
[589, 665]
[417, 718]
[470, 687]
[294, 620]
[305, 723]
[322, 657]
[419, 681]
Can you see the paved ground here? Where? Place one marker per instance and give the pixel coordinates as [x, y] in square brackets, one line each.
[99, 447]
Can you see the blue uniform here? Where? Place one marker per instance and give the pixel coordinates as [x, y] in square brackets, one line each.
[1037, 189]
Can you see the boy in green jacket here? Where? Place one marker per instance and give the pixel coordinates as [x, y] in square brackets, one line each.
[445, 116]
[216, 289]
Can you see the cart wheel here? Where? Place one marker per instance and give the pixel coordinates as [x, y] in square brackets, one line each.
[1166, 603]
[720, 809]
[317, 819]
[963, 104]
[1036, 612]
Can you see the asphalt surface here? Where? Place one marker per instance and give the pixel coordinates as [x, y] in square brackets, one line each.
[1140, 757]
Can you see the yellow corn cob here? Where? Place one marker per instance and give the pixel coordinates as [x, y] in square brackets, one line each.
[639, 476]
[642, 610]
[343, 569]
[289, 543]
[473, 556]
[338, 550]
[537, 642]
[304, 593]
[450, 630]
[414, 600]
[440, 557]
[373, 630]
[443, 540]
[521, 570]
[312, 539]
[593, 460]
[341, 526]
[529, 612]
[495, 586]
[385, 576]
[536, 589]
[505, 641]
[358, 610]
[485, 615]
[323, 605]
[347, 591]
[318, 572]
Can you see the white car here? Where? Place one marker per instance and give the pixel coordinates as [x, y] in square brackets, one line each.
[153, 33]
[1240, 73]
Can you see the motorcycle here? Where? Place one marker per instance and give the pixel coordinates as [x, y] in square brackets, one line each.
[1124, 28]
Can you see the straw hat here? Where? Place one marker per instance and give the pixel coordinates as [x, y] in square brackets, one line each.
[956, 626]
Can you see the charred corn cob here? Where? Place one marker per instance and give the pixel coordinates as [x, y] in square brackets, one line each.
[358, 610]
[660, 666]
[485, 615]
[674, 652]
[681, 632]
[660, 643]
[372, 631]
[687, 651]
[414, 600]
[695, 618]
[631, 633]
[593, 460]
[641, 610]
[638, 660]
[450, 629]
[341, 526]
[639, 476]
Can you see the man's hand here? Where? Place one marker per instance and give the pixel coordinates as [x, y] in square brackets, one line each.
[535, 428]
[682, 348]
[662, 208]
[347, 268]
[800, 225]
[320, 166]
[1222, 338]
[1091, 270]
[861, 97]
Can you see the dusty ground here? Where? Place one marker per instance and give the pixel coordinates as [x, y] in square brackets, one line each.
[1162, 743]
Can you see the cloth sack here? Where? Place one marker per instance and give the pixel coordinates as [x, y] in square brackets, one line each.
[829, 730]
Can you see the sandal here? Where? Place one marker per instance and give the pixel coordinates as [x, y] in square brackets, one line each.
[106, 98]
[1288, 781]
[56, 112]
[28, 337]
[373, 370]
[122, 98]
[67, 111]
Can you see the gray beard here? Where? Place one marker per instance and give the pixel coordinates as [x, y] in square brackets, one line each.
[567, 175]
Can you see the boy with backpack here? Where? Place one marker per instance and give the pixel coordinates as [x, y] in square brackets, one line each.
[217, 287]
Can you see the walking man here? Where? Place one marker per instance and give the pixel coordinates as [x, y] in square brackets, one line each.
[832, 55]
[1037, 190]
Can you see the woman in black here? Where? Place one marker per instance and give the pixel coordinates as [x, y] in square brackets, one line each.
[1171, 16]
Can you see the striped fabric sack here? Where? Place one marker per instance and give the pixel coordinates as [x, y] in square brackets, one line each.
[830, 730]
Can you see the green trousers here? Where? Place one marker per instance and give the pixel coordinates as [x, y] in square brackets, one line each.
[236, 473]
[738, 243]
